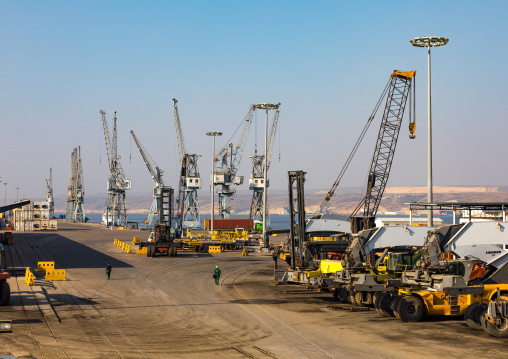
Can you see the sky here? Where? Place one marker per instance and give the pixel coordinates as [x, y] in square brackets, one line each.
[326, 62]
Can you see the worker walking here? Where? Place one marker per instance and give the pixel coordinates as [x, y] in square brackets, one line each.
[108, 270]
[216, 275]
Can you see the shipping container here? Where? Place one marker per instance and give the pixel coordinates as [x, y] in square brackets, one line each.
[229, 223]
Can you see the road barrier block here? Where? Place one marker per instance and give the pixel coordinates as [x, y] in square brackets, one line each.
[115, 241]
[128, 248]
[121, 228]
[44, 266]
[29, 278]
[214, 249]
[57, 274]
[141, 250]
[122, 246]
[135, 240]
[245, 252]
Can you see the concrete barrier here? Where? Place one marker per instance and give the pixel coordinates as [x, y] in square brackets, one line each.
[135, 240]
[29, 277]
[245, 252]
[141, 250]
[214, 249]
[44, 266]
[57, 274]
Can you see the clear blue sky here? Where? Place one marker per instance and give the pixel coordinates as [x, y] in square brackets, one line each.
[327, 62]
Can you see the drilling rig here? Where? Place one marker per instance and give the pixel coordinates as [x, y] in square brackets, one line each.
[187, 207]
[159, 183]
[76, 189]
[115, 213]
[49, 194]
[257, 178]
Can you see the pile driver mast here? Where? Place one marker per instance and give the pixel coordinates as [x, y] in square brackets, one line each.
[159, 183]
[257, 177]
[187, 211]
[115, 213]
[76, 189]
[397, 91]
[226, 164]
[49, 194]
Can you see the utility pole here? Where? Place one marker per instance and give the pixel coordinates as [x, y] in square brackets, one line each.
[429, 41]
[17, 192]
[5, 192]
[213, 134]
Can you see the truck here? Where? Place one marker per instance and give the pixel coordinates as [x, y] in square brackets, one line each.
[5, 290]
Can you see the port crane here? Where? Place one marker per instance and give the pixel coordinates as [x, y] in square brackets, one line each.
[49, 194]
[76, 189]
[115, 213]
[187, 211]
[226, 164]
[397, 92]
[159, 183]
[256, 180]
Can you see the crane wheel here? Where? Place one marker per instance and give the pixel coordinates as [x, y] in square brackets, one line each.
[175, 251]
[498, 331]
[148, 251]
[382, 304]
[410, 309]
[470, 316]
[5, 293]
[393, 306]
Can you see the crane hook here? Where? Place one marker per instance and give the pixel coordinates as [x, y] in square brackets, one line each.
[412, 128]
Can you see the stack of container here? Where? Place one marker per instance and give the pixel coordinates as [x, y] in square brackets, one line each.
[33, 217]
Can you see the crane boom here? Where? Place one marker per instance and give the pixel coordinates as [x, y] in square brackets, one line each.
[179, 135]
[382, 159]
[156, 174]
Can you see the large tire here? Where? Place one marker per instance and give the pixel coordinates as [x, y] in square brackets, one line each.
[5, 293]
[410, 309]
[175, 251]
[393, 305]
[500, 331]
[152, 252]
[148, 251]
[470, 317]
[383, 303]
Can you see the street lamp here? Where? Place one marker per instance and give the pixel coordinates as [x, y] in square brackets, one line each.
[17, 192]
[429, 41]
[5, 191]
[213, 134]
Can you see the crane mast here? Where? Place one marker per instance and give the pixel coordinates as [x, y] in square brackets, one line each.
[76, 190]
[397, 95]
[156, 191]
[115, 213]
[256, 180]
[49, 194]
[187, 213]
[226, 164]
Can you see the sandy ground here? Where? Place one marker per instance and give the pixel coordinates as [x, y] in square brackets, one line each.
[169, 307]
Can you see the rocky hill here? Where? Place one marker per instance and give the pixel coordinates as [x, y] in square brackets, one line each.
[344, 201]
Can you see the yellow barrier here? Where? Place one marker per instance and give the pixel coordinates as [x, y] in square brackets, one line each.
[44, 266]
[135, 240]
[128, 248]
[141, 250]
[121, 228]
[245, 252]
[29, 277]
[57, 274]
[214, 249]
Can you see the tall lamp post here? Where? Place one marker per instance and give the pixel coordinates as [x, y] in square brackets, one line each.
[17, 192]
[213, 134]
[429, 41]
[5, 192]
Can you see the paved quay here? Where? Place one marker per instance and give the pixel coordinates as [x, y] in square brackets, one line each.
[170, 307]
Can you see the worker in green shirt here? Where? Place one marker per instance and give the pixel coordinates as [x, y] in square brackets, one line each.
[216, 275]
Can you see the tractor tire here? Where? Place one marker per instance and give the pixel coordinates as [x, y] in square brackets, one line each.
[175, 251]
[494, 330]
[152, 252]
[383, 303]
[148, 251]
[5, 293]
[336, 294]
[393, 305]
[410, 309]
[470, 316]
[374, 298]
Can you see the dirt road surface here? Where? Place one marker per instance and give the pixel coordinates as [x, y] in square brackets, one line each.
[170, 307]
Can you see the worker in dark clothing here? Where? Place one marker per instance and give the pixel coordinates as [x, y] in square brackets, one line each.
[217, 275]
[108, 270]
